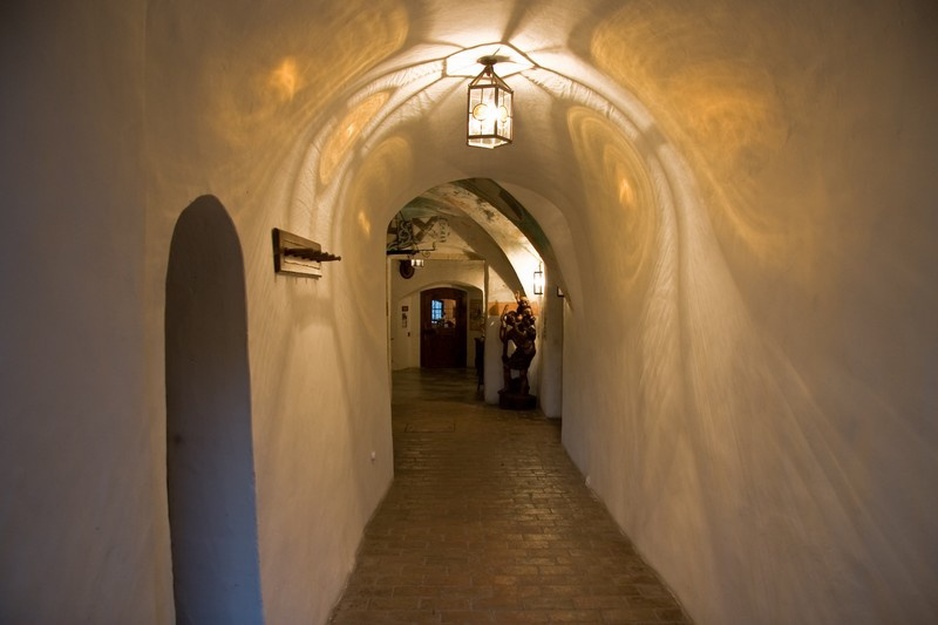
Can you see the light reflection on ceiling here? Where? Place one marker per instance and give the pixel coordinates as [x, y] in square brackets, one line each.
[722, 109]
[460, 220]
[618, 185]
[296, 77]
[347, 131]
[465, 63]
[404, 95]
[285, 79]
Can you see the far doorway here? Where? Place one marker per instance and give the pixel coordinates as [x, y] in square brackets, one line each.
[443, 330]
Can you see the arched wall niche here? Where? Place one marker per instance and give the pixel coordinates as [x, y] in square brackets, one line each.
[209, 455]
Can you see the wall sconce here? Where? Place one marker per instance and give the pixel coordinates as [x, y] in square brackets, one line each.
[539, 280]
[490, 109]
[417, 262]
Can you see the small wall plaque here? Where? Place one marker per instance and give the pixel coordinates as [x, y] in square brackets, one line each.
[298, 256]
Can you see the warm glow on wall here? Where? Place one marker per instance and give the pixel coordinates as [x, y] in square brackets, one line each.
[347, 132]
[388, 162]
[285, 79]
[266, 93]
[617, 182]
[723, 110]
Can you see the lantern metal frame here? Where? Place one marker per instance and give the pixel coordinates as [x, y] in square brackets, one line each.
[490, 118]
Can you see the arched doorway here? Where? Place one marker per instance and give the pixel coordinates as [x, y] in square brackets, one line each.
[209, 456]
[474, 232]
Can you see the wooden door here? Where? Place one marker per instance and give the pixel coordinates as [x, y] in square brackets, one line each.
[443, 328]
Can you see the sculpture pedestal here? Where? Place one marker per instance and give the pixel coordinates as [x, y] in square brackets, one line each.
[515, 395]
[516, 401]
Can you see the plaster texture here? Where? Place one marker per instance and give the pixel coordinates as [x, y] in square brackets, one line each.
[740, 197]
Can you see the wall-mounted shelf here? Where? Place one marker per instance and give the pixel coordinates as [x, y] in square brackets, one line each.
[298, 256]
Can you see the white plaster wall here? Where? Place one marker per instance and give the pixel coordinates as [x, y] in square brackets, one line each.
[550, 386]
[760, 421]
[405, 342]
[77, 491]
[222, 118]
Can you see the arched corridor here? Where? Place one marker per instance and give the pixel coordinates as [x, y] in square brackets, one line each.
[736, 200]
[488, 521]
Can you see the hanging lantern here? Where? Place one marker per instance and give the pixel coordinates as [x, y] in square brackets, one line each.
[490, 114]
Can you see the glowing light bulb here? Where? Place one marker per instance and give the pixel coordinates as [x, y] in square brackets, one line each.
[480, 111]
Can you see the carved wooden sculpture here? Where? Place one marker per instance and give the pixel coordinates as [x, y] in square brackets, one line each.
[518, 332]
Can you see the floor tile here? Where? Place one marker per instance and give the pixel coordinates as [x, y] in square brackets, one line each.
[488, 521]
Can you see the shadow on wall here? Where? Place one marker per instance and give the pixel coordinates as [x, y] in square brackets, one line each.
[209, 456]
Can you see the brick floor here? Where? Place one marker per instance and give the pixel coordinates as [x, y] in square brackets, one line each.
[488, 521]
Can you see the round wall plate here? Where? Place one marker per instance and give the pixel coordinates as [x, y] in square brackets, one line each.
[406, 269]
